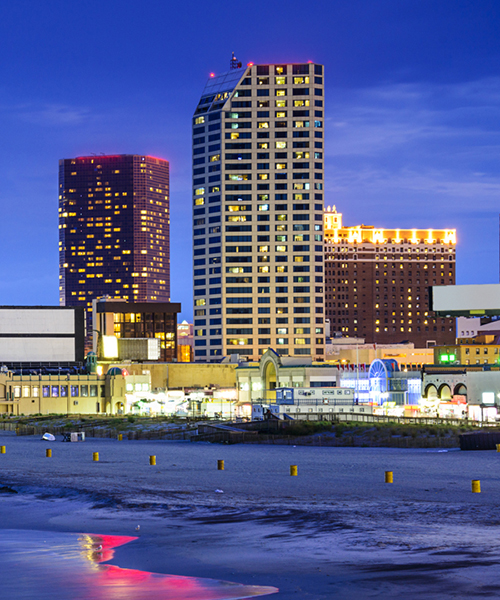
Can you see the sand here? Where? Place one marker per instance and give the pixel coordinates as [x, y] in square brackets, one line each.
[334, 531]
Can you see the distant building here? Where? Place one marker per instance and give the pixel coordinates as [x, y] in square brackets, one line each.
[114, 221]
[258, 150]
[185, 342]
[377, 280]
[135, 330]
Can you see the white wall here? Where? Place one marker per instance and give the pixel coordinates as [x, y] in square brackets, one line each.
[26, 349]
[37, 320]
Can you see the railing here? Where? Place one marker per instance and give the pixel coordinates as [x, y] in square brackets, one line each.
[101, 432]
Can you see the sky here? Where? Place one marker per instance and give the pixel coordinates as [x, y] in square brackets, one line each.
[412, 112]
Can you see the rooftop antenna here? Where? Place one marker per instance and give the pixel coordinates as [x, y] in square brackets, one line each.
[234, 63]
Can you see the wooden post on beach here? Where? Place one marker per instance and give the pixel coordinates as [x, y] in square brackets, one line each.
[2, 449]
[95, 456]
[388, 477]
[152, 460]
[48, 452]
[293, 470]
[220, 465]
[476, 486]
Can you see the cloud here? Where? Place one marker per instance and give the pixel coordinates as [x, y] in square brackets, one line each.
[432, 143]
[48, 115]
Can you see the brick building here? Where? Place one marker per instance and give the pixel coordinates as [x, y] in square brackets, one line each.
[377, 280]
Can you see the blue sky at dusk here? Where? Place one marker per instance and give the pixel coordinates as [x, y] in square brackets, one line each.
[412, 112]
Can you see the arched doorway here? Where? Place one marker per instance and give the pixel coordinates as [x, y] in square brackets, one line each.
[445, 392]
[460, 390]
[270, 379]
[431, 392]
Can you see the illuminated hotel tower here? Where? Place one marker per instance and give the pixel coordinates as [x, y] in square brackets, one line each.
[377, 282]
[258, 212]
[113, 230]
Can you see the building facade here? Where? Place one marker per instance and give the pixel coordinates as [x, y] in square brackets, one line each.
[114, 221]
[257, 212]
[135, 321]
[35, 336]
[377, 282]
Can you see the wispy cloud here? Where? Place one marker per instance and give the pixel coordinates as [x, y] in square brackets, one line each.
[432, 143]
[48, 115]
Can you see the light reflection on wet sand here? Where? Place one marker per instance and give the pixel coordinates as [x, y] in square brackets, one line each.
[61, 566]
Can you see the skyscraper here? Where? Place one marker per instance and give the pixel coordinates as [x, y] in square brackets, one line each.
[258, 212]
[377, 282]
[113, 230]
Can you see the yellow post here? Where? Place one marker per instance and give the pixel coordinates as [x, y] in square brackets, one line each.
[152, 460]
[95, 456]
[120, 437]
[2, 449]
[48, 453]
[476, 486]
[293, 470]
[388, 477]
[220, 465]
[498, 447]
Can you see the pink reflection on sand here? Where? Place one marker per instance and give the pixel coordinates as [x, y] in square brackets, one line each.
[143, 584]
[58, 566]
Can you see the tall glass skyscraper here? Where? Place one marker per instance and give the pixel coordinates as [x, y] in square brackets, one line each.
[114, 222]
[258, 212]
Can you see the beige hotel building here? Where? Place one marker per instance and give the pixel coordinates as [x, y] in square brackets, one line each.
[258, 149]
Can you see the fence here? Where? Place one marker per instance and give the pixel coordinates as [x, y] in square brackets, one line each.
[100, 432]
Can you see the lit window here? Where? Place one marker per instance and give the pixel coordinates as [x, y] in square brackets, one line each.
[300, 80]
[199, 120]
[215, 158]
[263, 207]
[280, 80]
[280, 145]
[263, 125]
[199, 191]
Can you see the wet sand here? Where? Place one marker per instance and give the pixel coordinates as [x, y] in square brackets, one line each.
[337, 530]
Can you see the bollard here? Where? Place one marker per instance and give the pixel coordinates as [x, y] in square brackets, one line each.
[152, 460]
[95, 456]
[120, 437]
[293, 470]
[220, 465]
[2, 449]
[476, 486]
[388, 477]
[48, 452]
[498, 447]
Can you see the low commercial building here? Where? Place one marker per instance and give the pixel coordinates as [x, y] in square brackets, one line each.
[259, 380]
[117, 324]
[353, 351]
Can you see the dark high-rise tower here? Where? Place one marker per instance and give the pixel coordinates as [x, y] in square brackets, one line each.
[114, 221]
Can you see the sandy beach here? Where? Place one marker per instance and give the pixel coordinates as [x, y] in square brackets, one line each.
[334, 531]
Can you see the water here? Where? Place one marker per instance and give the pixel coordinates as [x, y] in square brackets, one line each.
[69, 566]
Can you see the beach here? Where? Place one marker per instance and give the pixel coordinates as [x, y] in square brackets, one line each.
[335, 530]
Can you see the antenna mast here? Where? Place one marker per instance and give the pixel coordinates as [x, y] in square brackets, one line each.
[234, 63]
